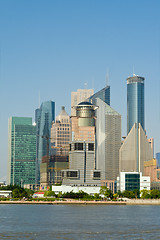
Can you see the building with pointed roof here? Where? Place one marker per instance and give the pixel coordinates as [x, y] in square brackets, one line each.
[135, 150]
[108, 140]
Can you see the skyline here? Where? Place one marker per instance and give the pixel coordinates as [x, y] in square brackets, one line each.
[56, 47]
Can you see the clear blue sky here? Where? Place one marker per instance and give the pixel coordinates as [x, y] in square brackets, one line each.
[56, 46]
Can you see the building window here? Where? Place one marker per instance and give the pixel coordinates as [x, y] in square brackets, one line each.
[70, 147]
[132, 182]
[90, 146]
[97, 175]
[78, 146]
[72, 174]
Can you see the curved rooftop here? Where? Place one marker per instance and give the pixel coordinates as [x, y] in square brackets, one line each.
[85, 103]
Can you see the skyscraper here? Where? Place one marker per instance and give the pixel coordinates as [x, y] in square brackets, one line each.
[108, 135]
[135, 102]
[82, 163]
[60, 138]
[21, 151]
[103, 94]
[43, 117]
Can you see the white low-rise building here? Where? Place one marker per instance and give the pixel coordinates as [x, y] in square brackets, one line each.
[65, 188]
[5, 193]
[132, 180]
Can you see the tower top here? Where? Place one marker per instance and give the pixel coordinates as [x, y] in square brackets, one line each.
[135, 79]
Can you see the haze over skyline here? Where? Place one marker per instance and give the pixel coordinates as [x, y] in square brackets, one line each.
[55, 47]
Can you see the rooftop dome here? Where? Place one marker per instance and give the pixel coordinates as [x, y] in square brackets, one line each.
[85, 103]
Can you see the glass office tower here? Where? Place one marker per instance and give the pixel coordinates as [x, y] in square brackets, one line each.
[43, 118]
[103, 94]
[158, 159]
[21, 151]
[135, 101]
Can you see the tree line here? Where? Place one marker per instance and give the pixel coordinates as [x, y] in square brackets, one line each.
[105, 193]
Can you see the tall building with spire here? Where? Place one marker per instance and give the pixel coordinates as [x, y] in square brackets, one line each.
[135, 101]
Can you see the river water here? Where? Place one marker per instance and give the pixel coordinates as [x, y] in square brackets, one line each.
[70, 222]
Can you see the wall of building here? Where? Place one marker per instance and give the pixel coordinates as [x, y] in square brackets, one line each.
[134, 151]
[21, 151]
[108, 140]
[64, 189]
[82, 161]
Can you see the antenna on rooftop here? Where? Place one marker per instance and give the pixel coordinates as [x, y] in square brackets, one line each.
[133, 71]
[107, 78]
[39, 99]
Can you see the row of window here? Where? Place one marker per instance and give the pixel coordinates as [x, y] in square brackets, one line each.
[74, 174]
[81, 146]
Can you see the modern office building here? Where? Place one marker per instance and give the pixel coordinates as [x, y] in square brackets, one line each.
[135, 150]
[158, 159]
[135, 102]
[43, 118]
[108, 135]
[83, 169]
[21, 151]
[60, 139]
[103, 94]
[80, 96]
[108, 140]
[132, 181]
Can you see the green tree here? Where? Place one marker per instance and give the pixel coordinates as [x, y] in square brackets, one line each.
[97, 196]
[154, 194]
[120, 194]
[49, 194]
[128, 194]
[145, 194]
[106, 192]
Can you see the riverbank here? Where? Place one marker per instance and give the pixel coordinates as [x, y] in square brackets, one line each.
[82, 202]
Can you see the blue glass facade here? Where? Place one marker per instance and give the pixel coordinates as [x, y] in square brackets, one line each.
[158, 159]
[103, 94]
[21, 151]
[135, 102]
[43, 118]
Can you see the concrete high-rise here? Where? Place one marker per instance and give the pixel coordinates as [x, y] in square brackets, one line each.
[108, 135]
[43, 117]
[108, 140]
[135, 102]
[21, 151]
[60, 138]
[82, 162]
[80, 96]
